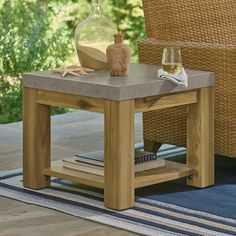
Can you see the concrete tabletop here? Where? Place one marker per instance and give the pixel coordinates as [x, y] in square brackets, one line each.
[142, 81]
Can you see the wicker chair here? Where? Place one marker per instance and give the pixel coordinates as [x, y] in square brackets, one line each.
[206, 33]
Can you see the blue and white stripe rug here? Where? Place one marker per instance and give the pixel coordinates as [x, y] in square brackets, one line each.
[164, 209]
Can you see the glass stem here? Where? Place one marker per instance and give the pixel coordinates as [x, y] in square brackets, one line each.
[96, 7]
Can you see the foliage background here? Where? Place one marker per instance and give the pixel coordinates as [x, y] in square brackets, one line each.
[38, 34]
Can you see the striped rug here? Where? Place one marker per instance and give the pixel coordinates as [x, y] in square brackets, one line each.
[150, 216]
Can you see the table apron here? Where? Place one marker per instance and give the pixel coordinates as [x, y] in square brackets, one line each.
[98, 105]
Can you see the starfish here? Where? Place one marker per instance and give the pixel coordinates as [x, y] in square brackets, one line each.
[72, 70]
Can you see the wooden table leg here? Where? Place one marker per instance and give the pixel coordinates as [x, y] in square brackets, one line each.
[119, 155]
[36, 141]
[200, 139]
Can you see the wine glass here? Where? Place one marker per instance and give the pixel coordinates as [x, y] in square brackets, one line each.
[171, 60]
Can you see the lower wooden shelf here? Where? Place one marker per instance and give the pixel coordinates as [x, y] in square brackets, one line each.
[81, 177]
[171, 171]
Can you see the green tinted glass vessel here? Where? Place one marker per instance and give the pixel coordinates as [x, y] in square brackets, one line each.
[93, 36]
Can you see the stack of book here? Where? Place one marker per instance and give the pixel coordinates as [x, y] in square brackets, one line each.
[93, 162]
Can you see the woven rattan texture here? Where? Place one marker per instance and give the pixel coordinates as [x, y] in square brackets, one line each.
[209, 21]
[169, 125]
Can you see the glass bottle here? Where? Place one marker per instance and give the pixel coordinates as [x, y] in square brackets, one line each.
[93, 36]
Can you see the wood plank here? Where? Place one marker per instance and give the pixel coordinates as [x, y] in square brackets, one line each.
[171, 171]
[70, 101]
[36, 141]
[119, 155]
[200, 139]
[77, 176]
[160, 102]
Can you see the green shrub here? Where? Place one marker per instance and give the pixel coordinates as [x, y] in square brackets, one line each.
[11, 101]
[29, 41]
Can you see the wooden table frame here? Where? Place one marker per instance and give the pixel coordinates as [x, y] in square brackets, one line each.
[119, 181]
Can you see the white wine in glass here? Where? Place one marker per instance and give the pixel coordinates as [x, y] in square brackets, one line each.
[171, 60]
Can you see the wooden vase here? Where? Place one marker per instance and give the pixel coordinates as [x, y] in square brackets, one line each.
[118, 56]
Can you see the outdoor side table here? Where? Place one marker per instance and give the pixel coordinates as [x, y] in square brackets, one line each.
[118, 98]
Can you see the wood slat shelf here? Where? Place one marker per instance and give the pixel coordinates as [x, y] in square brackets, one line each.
[81, 177]
[171, 171]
